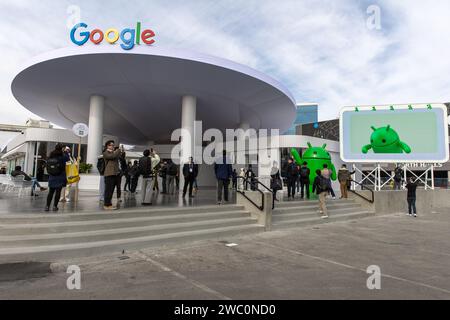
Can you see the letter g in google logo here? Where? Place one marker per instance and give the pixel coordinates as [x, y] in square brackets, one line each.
[128, 37]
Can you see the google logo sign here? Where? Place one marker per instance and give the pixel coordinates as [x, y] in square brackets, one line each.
[128, 37]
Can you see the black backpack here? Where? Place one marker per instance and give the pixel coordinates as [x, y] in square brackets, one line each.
[324, 184]
[304, 172]
[101, 165]
[54, 167]
[172, 171]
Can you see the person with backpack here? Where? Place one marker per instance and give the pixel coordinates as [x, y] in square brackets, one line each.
[292, 177]
[56, 169]
[276, 183]
[411, 186]
[147, 165]
[344, 176]
[321, 188]
[326, 173]
[111, 157]
[172, 172]
[250, 176]
[398, 177]
[304, 180]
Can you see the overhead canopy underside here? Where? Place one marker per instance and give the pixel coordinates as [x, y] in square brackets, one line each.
[143, 90]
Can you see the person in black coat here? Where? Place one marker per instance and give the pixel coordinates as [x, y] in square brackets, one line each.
[57, 182]
[190, 172]
[411, 186]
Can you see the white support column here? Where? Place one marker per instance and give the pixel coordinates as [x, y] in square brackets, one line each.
[95, 137]
[188, 114]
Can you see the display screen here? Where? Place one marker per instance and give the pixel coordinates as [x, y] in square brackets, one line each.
[399, 133]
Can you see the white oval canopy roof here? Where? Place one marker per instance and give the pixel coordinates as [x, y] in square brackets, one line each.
[143, 88]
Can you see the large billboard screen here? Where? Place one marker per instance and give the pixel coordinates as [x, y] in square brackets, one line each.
[394, 133]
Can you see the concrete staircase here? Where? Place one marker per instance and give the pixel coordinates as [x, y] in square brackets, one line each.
[45, 237]
[289, 214]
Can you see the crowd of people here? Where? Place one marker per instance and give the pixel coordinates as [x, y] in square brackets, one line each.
[113, 167]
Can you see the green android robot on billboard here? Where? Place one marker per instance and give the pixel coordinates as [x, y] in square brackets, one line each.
[386, 140]
[316, 157]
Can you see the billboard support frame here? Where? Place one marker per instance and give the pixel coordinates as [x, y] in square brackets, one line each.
[374, 177]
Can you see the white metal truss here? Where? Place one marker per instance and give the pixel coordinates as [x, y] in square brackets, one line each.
[375, 177]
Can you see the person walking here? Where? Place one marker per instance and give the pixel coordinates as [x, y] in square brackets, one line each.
[172, 172]
[292, 176]
[147, 165]
[111, 156]
[190, 172]
[56, 169]
[344, 177]
[304, 180]
[320, 187]
[223, 171]
[398, 177]
[326, 173]
[411, 186]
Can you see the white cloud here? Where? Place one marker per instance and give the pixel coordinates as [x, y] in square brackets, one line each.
[321, 50]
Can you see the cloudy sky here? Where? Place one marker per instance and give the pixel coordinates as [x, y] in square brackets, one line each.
[324, 51]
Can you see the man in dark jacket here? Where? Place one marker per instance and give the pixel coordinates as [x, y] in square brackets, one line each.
[134, 175]
[223, 171]
[344, 177]
[398, 174]
[147, 164]
[190, 172]
[292, 176]
[18, 172]
[411, 197]
[304, 180]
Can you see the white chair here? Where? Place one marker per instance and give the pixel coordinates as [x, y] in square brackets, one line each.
[19, 182]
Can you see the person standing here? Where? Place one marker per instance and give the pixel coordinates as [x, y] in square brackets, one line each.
[241, 184]
[101, 171]
[320, 187]
[223, 171]
[326, 173]
[122, 172]
[411, 186]
[127, 186]
[292, 176]
[147, 165]
[163, 175]
[234, 179]
[111, 157]
[190, 172]
[65, 191]
[304, 180]
[398, 174]
[56, 168]
[276, 183]
[250, 176]
[344, 176]
[134, 176]
[172, 172]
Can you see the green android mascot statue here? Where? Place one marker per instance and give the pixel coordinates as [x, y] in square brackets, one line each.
[316, 157]
[386, 140]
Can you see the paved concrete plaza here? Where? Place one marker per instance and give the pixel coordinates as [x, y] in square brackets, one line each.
[322, 262]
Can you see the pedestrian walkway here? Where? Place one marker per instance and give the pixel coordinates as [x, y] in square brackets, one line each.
[89, 201]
